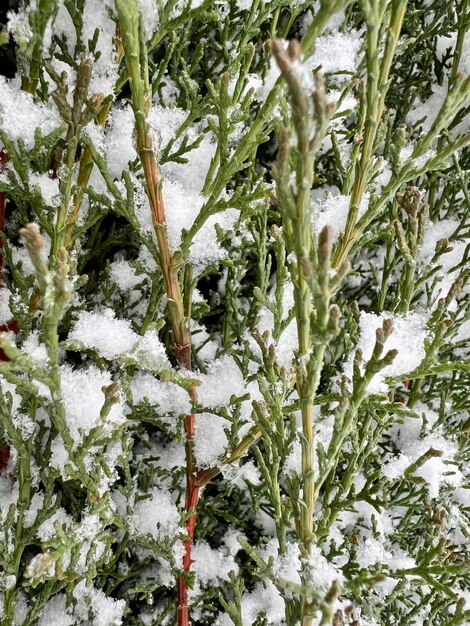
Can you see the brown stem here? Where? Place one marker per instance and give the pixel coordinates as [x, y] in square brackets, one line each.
[170, 266]
[135, 53]
[192, 497]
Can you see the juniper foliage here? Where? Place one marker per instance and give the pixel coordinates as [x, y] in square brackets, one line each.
[234, 313]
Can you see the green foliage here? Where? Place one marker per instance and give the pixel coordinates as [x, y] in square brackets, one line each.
[205, 221]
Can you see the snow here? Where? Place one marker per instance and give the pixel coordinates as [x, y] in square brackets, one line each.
[336, 52]
[5, 312]
[21, 609]
[444, 42]
[149, 12]
[150, 353]
[370, 552]
[408, 336]
[119, 139]
[286, 566]
[205, 248]
[18, 25]
[331, 208]
[104, 333]
[287, 343]
[105, 610]
[48, 188]
[412, 444]
[37, 351]
[211, 565]
[248, 472]
[244, 5]
[170, 398]
[124, 276]
[428, 110]
[47, 530]
[97, 17]
[63, 25]
[83, 398]
[210, 440]
[182, 206]
[223, 379]
[264, 598]
[322, 573]
[448, 273]
[192, 174]
[113, 338]
[157, 516]
[417, 162]
[9, 388]
[55, 612]
[20, 115]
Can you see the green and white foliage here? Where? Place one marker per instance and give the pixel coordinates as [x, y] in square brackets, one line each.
[315, 178]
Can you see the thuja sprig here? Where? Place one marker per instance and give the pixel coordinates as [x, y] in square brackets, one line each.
[409, 239]
[422, 159]
[310, 268]
[381, 17]
[39, 18]
[56, 290]
[76, 115]
[346, 415]
[263, 123]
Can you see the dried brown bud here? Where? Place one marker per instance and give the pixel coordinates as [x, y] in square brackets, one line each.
[410, 199]
[387, 327]
[32, 237]
[293, 50]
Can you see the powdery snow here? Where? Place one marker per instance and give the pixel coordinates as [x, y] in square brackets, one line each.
[331, 209]
[448, 273]
[223, 379]
[210, 440]
[113, 338]
[157, 516]
[264, 598]
[106, 611]
[119, 139]
[212, 565]
[5, 312]
[336, 52]
[412, 445]
[408, 338]
[83, 398]
[55, 612]
[170, 398]
[124, 276]
[20, 116]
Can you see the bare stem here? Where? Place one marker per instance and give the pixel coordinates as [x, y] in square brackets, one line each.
[135, 52]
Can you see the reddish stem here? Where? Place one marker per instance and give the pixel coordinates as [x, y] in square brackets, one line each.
[192, 495]
[191, 500]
